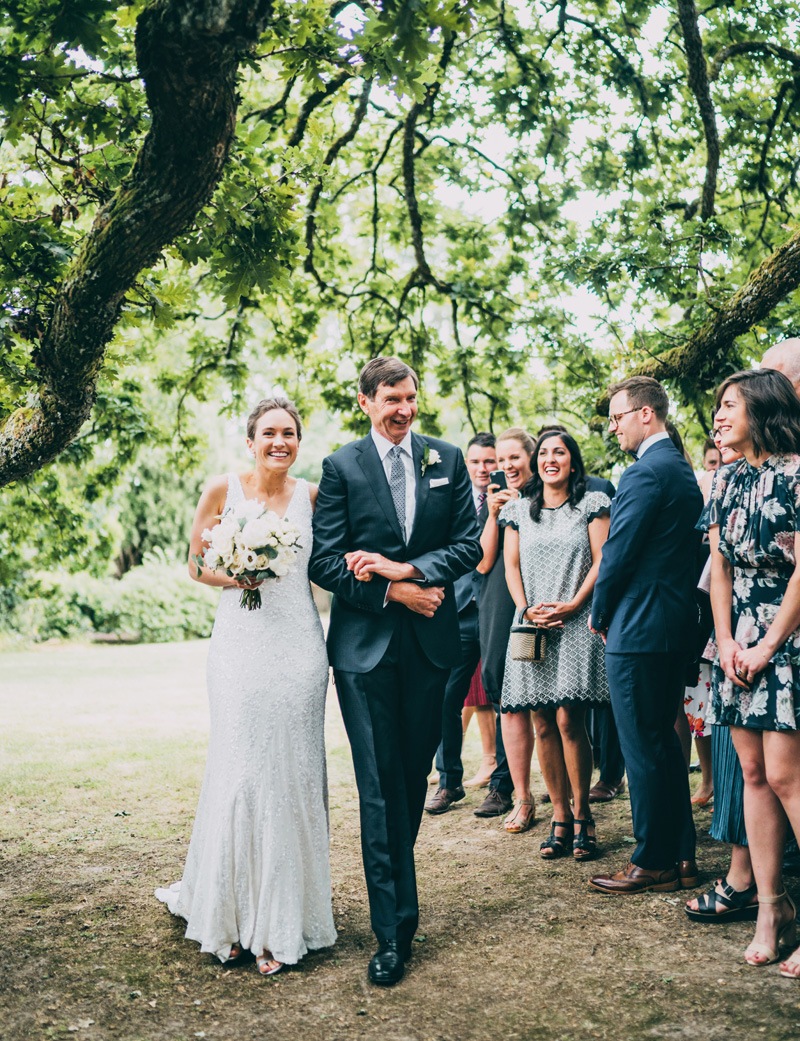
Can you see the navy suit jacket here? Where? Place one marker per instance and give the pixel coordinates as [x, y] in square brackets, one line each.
[355, 511]
[644, 596]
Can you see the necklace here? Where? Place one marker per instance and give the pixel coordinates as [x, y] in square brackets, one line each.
[553, 505]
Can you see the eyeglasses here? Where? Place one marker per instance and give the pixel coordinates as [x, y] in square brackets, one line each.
[613, 420]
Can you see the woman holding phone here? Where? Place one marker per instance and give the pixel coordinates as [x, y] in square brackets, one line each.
[513, 448]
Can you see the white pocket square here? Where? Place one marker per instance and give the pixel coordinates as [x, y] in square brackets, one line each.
[437, 482]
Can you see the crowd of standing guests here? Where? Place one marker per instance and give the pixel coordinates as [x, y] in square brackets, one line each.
[545, 599]
[670, 610]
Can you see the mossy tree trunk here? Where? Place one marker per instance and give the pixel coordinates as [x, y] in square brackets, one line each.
[188, 52]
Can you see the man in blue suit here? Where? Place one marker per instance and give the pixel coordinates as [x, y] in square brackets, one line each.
[395, 525]
[644, 607]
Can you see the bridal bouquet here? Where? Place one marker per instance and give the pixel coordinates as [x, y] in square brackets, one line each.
[250, 542]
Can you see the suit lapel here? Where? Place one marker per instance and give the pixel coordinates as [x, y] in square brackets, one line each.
[372, 468]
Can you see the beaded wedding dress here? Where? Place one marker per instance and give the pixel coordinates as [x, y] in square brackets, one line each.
[257, 870]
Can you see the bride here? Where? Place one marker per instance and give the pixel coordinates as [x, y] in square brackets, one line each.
[257, 875]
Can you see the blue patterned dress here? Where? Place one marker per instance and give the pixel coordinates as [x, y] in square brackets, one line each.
[757, 510]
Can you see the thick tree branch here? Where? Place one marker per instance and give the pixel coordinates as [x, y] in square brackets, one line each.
[761, 47]
[698, 81]
[704, 357]
[188, 52]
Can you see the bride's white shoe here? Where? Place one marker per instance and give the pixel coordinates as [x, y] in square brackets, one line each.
[267, 965]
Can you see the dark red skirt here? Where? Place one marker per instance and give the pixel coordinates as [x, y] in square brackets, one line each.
[477, 695]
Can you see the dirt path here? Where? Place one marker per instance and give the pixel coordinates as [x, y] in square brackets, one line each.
[101, 755]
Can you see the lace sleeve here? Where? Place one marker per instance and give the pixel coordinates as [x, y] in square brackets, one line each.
[598, 504]
[509, 518]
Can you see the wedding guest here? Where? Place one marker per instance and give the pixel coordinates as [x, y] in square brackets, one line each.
[514, 448]
[552, 555]
[606, 753]
[644, 606]
[477, 704]
[785, 357]
[732, 897]
[257, 874]
[755, 595]
[480, 459]
[711, 455]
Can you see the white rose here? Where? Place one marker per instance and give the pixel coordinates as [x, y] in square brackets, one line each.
[255, 533]
[249, 559]
[262, 561]
[249, 510]
[285, 558]
[279, 568]
[211, 559]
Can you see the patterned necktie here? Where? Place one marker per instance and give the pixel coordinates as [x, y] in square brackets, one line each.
[481, 501]
[397, 486]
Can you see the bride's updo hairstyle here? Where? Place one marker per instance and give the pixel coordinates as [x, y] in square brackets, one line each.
[267, 405]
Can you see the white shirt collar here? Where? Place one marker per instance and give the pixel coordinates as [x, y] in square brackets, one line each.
[384, 445]
[648, 441]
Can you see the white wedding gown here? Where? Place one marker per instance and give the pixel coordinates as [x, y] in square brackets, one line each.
[258, 871]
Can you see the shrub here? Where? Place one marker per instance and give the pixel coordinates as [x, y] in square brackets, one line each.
[154, 603]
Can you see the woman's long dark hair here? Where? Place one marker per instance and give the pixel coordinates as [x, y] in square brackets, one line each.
[773, 410]
[534, 489]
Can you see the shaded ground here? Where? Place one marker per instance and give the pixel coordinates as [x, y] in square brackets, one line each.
[101, 756]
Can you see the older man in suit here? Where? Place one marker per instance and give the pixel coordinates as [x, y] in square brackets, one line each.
[395, 525]
[644, 606]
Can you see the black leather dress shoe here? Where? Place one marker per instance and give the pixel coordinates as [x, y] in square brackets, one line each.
[386, 966]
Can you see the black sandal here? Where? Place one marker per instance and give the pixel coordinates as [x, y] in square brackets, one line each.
[584, 845]
[556, 845]
[738, 904]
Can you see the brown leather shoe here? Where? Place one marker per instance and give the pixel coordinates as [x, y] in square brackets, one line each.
[495, 804]
[688, 874]
[605, 792]
[443, 798]
[633, 879]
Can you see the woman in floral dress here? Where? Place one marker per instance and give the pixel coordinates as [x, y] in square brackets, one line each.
[754, 517]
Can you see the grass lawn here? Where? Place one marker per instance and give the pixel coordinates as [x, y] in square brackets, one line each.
[101, 756]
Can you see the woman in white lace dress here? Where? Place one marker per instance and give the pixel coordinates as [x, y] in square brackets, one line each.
[257, 874]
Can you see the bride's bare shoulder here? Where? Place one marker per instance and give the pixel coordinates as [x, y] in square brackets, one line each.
[313, 492]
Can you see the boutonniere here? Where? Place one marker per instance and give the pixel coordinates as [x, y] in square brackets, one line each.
[430, 457]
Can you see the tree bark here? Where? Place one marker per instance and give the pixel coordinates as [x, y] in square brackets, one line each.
[188, 52]
[701, 361]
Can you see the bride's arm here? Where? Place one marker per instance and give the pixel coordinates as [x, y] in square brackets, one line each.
[209, 508]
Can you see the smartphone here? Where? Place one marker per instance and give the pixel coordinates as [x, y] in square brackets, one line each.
[498, 477]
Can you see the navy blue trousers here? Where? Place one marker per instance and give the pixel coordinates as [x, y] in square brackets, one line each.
[646, 692]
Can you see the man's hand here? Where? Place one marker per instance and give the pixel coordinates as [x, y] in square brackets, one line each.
[423, 600]
[598, 632]
[364, 565]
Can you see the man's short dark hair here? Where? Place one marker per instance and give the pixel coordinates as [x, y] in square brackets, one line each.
[390, 371]
[641, 391]
[482, 440]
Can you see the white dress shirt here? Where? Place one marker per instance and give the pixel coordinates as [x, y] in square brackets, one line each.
[384, 446]
[650, 441]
